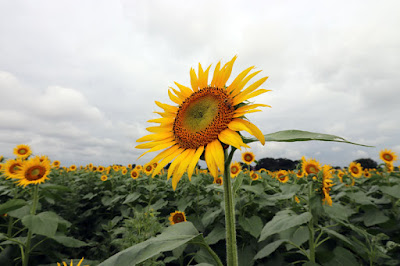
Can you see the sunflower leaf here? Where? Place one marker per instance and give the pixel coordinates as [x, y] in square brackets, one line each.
[300, 135]
[11, 205]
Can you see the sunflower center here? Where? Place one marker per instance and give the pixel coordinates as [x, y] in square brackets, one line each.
[178, 218]
[22, 151]
[35, 172]
[311, 169]
[14, 168]
[354, 170]
[234, 169]
[248, 158]
[388, 157]
[148, 168]
[202, 116]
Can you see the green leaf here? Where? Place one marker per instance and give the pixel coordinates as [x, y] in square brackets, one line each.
[284, 220]
[69, 241]
[268, 249]
[237, 183]
[338, 236]
[342, 256]
[256, 189]
[217, 234]
[173, 237]
[11, 205]
[131, 197]
[44, 223]
[374, 216]
[299, 135]
[391, 191]
[360, 198]
[209, 217]
[21, 212]
[338, 211]
[252, 225]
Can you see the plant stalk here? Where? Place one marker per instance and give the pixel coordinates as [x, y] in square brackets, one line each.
[25, 258]
[230, 226]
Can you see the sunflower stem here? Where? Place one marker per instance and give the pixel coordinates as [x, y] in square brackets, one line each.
[25, 257]
[231, 246]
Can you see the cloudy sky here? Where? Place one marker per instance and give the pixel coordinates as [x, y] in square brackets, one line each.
[78, 79]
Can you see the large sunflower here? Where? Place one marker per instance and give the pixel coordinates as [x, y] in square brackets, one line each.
[207, 116]
[33, 171]
[388, 156]
[12, 167]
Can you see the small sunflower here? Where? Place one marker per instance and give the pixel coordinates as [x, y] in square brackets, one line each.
[367, 173]
[56, 164]
[389, 167]
[103, 178]
[73, 167]
[388, 156]
[22, 151]
[148, 169]
[355, 169]
[218, 181]
[340, 175]
[310, 166]
[235, 169]
[100, 168]
[134, 174]
[300, 174]
[115, 168]
[12, 167]
[177, 217]
[139, 167]
[248, 157]
[282, 176]
[254, 176]
[327, 183]
[33, 171]
[207, 116]
[296, 199]
[124, 171]
[71, 264]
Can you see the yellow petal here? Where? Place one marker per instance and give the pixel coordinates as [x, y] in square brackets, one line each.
[151, 144]
[250, 106]
[159, 147]
[167, 107]
[212, 166]
[252, 87]
[186, 92]
[174, 98]
[232, 138]
[193, 80]
[177, 162]
[243, 83]
[238, 124]
[182, 167]
[194, 161]
[166, 114]
[203, 77]
[240, 114]
[243, 98]
[159, 129]
[163, 154]
[156, 137]
[216, 74]
[228, 70]
[166, 160]
[218, 153]
[238, 79]
[166, 120]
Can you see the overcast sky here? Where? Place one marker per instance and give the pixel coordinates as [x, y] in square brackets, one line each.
[78, 79]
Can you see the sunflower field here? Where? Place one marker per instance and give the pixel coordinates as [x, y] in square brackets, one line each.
[125, 215]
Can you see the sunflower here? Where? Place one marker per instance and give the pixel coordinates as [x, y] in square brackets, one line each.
[327, 184]
[235, 169]
[56, 164]
[389, 167]
[310, 167]
[100, 168]
[300, 174]
[177, 217]
[22, 151]
[355, 169]
[103, 178]
[148, 169]
[134, 174]
[254, 176]
[340, 175]
[72, 264]
[218, 181]
[124, 171]
[33, 171]
[248, 157]
[282, 176]
[206, 118]
[139, 167]
[296, 199]
[367, 173]
[11, 167]
[388, 156]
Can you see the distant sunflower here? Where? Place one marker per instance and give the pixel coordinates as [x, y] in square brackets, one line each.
[254, 176]
[22, 151]
[296, 199]
[177, 217]
[139, 167]
[33, 171]
[248, 157]
[389, 167]
[340, 175]
[73, 167]
[388, 156]
[300, 174]
[282, 176]
[310, 166]
[355, 169]
[235, 169]
[124, 171]
[148, 169]
[115, 168]
[327, 183]
[218, 181]
[103, 178]
[366, 173]
[208, 115]
[56, 164]
[134, 174]
[100, 168]
[11, 167]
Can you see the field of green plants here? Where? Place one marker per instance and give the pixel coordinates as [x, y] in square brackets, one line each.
[116, 216]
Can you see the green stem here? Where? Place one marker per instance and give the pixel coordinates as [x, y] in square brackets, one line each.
[210, 251]
[25, 257]
[311, 228]
[231, 247]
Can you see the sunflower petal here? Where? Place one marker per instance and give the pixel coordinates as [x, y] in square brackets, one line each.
[167, 107]
[178, 160]
[193, 80]
[211, 164]
[164, 154]
[194, 161]
[166, 160]
[243, 83]
[186, 92]
[218, 154]
[238, 124]
[216, 74]
[159, 147]
[174, 98]
[228, 70]
[240, 114]
[166, 120]
[238, 79]
[243, 98]
[159, 129]
[182, 167]
[250, 106]
[232, 138]
[155, 137]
